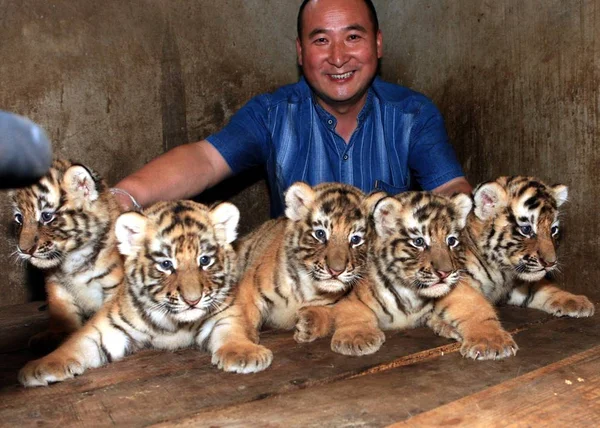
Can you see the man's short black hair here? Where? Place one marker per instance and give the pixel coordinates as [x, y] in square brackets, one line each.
[370, 6]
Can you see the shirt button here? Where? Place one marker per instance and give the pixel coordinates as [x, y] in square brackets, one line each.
[330, 121]
[346, 157]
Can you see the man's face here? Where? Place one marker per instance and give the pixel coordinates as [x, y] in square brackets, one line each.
[338, 51]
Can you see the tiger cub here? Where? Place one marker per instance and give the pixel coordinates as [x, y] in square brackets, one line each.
[180, 270]
[65, 225]
[512, 239]
[312, 256]
[415, 263]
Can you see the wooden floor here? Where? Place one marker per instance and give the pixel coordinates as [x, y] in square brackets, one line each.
[416, 379]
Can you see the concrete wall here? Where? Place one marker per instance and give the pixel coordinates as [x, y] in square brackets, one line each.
[116, 83]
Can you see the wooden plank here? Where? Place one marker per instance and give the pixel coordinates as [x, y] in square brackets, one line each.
[566, 393]
[387, 396]
[153, 386]
[19, 322]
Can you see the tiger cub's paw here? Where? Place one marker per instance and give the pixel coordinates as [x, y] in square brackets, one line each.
[356, 342]
[50, 369]
[491, 345]
[45, 342]
[570, 305]
[242, 357]
[444, 329]
[312, 324]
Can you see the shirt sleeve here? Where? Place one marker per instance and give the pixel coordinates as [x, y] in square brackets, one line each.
[244, 141]
[432, 159]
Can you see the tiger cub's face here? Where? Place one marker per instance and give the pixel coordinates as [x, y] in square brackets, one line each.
[520, 218]
[63, 212]
[329, 233]
[418, 241]
[178, 258]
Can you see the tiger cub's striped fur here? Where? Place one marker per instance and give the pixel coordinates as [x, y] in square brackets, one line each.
[66, 224]
[512, 237]
[180, 269]
[313, 256]
[415, 264]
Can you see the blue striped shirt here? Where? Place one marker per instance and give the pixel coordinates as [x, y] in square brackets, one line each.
[400, 142]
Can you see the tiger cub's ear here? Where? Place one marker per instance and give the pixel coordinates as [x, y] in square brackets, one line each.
[464, 205]
[225, 218]
[386, 216]
[371, 201]
[298, 201]
[130, 229]
[560, 193]
[80, 185]
[490, 199]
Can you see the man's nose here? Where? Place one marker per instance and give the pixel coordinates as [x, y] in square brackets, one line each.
[339, 54]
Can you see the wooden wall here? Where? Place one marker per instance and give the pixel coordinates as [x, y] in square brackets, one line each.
[116, 83]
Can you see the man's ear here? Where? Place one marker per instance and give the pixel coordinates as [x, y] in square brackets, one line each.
[299, 51]
[560, 193]
[298, 201]
[386, 215]
[490, 199]
[80, 185]
[130, 230]
[379, 39]
[463, 205]
[225, 218]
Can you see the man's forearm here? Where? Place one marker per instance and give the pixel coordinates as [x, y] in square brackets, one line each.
[181, 173]
[456, 185]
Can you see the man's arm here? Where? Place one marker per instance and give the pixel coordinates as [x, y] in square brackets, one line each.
[456, 185]
[181, 173]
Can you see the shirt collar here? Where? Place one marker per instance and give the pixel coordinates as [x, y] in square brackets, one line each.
[328, 119]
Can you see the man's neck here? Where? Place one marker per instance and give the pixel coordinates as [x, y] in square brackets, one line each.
[346, 115]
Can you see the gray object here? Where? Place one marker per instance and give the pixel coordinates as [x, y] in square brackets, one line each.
[25, 152]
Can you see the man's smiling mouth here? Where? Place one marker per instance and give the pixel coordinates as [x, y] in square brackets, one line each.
[341, 76]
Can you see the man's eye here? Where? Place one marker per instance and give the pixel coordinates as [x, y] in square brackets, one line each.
[19, 218]
[525, 230]
[354, 37]
[47, 217]
[418, 242]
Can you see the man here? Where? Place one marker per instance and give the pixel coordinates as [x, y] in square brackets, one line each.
[338, 123]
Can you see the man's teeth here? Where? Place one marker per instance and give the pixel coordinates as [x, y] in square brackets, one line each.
[342, 76]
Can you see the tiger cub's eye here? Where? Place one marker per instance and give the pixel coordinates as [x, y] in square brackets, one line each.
[47, 217]
[525, 230]
[418, 242]
[356, 240]
[320, 234]
[166, 265]
[452, 241]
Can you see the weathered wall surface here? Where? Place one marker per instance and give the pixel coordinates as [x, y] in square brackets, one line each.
[117, 83]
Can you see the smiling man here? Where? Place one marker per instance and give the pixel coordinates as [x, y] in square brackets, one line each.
[338, 123]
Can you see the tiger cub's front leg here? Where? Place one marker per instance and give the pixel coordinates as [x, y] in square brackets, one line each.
[355, 326]
[465, 315]
[64, 320]
[94, 345]
[547, 297]
[234, 341]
